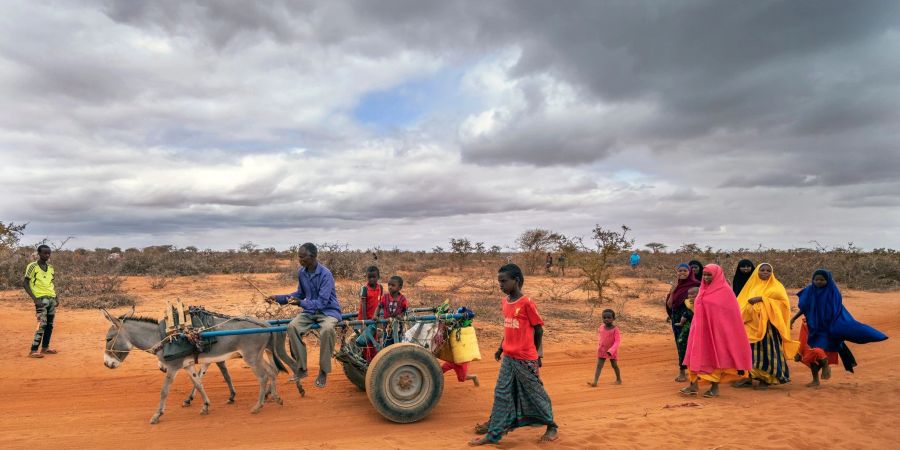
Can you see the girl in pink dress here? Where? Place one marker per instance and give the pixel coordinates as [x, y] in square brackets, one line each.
[609, 339]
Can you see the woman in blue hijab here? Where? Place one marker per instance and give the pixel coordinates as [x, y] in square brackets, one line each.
[828, 324]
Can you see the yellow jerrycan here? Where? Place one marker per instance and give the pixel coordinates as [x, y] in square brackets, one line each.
[464, 345]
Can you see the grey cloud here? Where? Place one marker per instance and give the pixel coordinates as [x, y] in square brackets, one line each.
[801, 98]
[542, 140]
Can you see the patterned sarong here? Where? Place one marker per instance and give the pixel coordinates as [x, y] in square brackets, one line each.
[519, 399]
[769, 362]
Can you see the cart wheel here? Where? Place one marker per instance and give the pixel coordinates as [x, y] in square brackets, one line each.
[404, 382]
[356, 375]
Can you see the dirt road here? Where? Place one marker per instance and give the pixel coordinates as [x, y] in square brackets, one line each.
[71, 400]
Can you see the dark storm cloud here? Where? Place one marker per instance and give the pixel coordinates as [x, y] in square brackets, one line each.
[203, 117]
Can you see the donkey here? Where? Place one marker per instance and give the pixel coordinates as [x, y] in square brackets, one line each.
[127, 332]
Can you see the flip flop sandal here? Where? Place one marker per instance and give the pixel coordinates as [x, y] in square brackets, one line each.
[49, 351]
[481, 428]
[320, 383]
[687, 391]
[35, 355]
[709, 394]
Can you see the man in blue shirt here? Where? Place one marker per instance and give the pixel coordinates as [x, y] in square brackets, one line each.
[315, 294]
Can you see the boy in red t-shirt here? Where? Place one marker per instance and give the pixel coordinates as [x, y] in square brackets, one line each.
[369, 302]
[519, 396]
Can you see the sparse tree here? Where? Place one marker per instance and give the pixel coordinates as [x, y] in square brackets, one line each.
[534, 243]
[249, 247]
[10, 233]
[460, 249]
[596, 260]
[690, 248]
[656, 247]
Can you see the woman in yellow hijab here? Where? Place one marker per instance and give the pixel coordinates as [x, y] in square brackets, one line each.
[766, 310]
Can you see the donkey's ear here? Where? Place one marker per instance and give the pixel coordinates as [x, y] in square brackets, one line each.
[113, 320]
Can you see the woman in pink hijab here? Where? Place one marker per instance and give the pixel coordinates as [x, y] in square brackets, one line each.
[717, 342]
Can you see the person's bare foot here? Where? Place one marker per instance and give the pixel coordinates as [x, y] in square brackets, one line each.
[826, 371]
[480, 441]
[618, 381]
[49, 351]
[681, 378]
[745, 383]
[321, 380]
[481, 428]
[550, 435]
[591, 384]
[710, 394]
[475, 381]
[35, 355]
[813, 383]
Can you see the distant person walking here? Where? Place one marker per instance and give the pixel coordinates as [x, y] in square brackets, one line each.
[561, 263]
[39, 286]
[635, 259]
[548, 263]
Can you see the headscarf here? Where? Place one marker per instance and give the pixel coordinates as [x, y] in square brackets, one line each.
[680, 292]
[717, 339]
[698, 274]
[775, 309]
[827, 319]
[740, 278]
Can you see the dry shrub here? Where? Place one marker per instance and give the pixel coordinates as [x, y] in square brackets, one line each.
[878, 270]
[107, 301]
[411, 279]
[159, 281]
[558, 291]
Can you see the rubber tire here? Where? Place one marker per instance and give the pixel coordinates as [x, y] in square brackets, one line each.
[356, 376]
[411, 357]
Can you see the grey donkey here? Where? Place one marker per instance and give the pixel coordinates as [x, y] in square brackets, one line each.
[128, 332]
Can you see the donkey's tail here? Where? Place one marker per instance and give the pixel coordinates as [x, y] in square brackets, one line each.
[279, 356]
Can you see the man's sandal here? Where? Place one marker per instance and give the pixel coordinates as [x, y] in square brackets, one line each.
[49, 351]
[35, 355]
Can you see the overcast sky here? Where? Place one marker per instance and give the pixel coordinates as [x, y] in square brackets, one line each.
[405, 123]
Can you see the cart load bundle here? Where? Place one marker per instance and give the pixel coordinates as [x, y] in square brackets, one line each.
[179, 331]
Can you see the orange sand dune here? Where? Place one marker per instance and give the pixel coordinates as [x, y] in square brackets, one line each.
[71, 400]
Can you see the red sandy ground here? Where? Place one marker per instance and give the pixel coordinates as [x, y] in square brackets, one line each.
[71, 400]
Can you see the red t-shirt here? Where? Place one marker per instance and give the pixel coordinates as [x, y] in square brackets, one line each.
[369, 298]
[391, 307]
[519, 319]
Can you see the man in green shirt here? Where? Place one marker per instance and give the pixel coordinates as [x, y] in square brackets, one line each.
[39, 286]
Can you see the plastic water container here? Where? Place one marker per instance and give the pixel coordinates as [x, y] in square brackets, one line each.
[464, 345]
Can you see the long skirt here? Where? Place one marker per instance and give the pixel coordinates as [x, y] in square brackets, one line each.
[769, 363]
[520, 399]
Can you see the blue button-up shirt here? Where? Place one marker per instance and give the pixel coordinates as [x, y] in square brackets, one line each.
[315, 293]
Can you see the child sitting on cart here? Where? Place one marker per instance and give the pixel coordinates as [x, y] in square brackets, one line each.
[394, 306]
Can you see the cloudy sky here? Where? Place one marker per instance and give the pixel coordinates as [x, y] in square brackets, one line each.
[404, 123]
